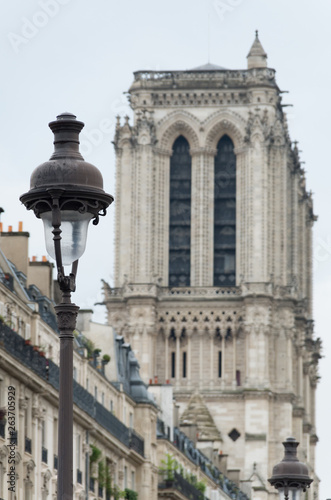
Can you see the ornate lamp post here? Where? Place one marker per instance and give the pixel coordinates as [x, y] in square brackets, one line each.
[290, 475]
[67, 193]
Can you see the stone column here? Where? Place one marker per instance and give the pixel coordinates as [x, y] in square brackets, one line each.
[202, 216]
[211, 342]
[189, 358]
[223, 362]
[200, 358]
[242, 214]
[3, 469]
[21, 430]
[289, 369]
[234, 359]
[145, 419]
[36, 441]
[177, 361]
[166, 341]
[161, 216]
[300, 379]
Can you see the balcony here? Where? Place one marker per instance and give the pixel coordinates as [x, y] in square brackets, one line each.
[49, 371]
[28, 445]
[186, 446]
[44, 455]
[179, 485]
[136, 442]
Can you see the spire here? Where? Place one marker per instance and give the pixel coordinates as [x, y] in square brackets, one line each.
[256, 58]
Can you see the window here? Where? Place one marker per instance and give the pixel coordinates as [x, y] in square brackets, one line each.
[44, 453]
[180, 214]
[173, 361]
[96, 392]
[133, 480]
[43, 433]
[27, 433]
[225, 214]
[26, 421]
[219, 364]
[55, 435]
[78, 446]
[103, 399]
[184, 364]
[131, 420]
[238, 377]
[125, 476]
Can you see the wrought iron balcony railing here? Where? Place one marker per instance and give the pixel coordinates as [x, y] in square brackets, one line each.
[186, 446]
[136, 442]
[180, 484]
[14, 344]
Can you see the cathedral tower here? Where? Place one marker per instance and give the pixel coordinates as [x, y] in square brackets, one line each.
[213, 283]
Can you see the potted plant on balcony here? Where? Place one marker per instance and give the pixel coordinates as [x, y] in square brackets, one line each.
[105, 360]
[117, 492]
[201, 486]
[168, 469]
[42, 350]
[130, 494]
[89, 346]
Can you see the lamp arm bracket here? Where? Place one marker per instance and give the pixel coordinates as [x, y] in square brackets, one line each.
[67, 283]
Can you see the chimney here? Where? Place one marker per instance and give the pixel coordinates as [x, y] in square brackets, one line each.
[40, 274]
[15, 245]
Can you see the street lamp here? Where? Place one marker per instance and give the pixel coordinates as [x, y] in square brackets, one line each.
[290, 475]
[67, 193]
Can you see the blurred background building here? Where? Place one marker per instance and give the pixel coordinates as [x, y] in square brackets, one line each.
[213, 266]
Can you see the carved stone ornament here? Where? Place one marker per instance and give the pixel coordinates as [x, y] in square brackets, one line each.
[30, 465]
[4, 452]
[66, 316]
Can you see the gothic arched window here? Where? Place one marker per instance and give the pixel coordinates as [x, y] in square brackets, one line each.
[225, 214]
[180, 214]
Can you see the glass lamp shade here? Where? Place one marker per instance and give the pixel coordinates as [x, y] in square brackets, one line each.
[293, 493]
[74, 227]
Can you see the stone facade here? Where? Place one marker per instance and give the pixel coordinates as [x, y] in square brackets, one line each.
[116, 420]
[108, 416]
[247, 350]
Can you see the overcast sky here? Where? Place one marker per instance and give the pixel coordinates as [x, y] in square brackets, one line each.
[79, 56]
